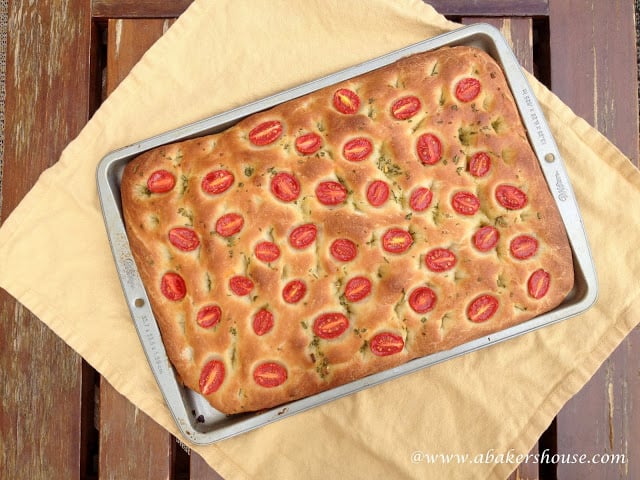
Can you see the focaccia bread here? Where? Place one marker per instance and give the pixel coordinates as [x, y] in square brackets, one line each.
[394, 215]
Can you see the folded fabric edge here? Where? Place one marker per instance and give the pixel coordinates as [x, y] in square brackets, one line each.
[569, 386]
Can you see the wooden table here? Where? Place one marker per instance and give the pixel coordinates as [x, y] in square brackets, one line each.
[63, 59]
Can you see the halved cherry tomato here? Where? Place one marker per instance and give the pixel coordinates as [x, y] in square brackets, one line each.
[241, 285]
[184, 239]
[429, 149]
[486, 238]
[294, 291]
[266, 133]
[386, 343]
[420, 199]
[440, 260]
[405, 107]
[465, 203]
[308, 143]
[482, 308]
[344, 250]
[211, 377]
[229, 224]
[270, 374]
[267, 251]
[357, 149]
[538, 284]
[346, 101]
[396, 240]
[303, 236]
[357, 288]
[263, 322]
[285, 187]
[510, 197]
[161, 181]
[330, 325]
[209, 316]
[467, 89]
[331, 193]
[217, 181]
[378, 193]
[173, 287]
[422, 299]
[479, 164]
[523, 247]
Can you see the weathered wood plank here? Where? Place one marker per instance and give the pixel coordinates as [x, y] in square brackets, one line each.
[593, 69]
[127, 41]
[132, 445]
[593, 66]
[493, 8]
[138, 8]
[46, 386]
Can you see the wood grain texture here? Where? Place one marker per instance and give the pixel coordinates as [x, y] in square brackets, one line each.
[45, 384]
[132, 445]
[593, 70]
[504, 8]
[139, 8]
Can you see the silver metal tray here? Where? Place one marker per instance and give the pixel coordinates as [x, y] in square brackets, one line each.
[195, 418]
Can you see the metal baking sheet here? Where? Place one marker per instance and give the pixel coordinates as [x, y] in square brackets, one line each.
[196, 419]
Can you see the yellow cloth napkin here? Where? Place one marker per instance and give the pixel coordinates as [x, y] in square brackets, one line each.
[56, 259]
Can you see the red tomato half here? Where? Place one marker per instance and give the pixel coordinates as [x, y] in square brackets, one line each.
[357, 288]
[308, 143]
[330, 325]
[510, 197]
[486, 238]
[229, 224]
[270, 374]
[267, 252]
[378, 193]
[209, 316]
[467, 89]
[303, 236]
[285, 187]
[465, 203]
[386, 343]
[538, 284]
[211, 377]
[173, 287]
[241, 285]
[523, 247]
[479, 164]
[396, 240]
[346, 101]
[482, 308]
[331, 193]
[294, 291]
[161, 181]
[217, 181]
[422, 299]
[357, 149]
[184, 239]
[440, 260]
[429, 149]
[263, 322]
[405, 107]
[344, 250]
[420, 199]
[266, 133]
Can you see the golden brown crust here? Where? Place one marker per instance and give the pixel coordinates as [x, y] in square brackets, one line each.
[489, 123]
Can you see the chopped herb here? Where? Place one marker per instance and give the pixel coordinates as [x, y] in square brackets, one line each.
[188, 214]
[248, 171]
